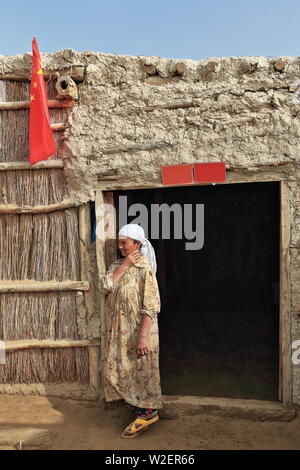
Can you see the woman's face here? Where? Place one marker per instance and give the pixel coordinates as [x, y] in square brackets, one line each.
[126, 245]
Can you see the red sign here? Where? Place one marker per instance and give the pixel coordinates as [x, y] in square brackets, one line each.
[214, 172]
[177, 174]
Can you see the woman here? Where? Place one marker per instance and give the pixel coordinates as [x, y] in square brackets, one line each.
[132, 350]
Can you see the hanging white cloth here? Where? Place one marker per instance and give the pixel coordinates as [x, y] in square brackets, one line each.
[137, 233]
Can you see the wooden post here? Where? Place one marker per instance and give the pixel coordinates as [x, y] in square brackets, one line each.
[100, 251]
[286, 370]
[110, 228]
[85, 256]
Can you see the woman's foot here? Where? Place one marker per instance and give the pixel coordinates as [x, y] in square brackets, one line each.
[139, 425]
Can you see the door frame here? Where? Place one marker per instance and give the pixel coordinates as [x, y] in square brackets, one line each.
[107, 249]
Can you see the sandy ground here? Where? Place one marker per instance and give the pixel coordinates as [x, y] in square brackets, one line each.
[74, 425]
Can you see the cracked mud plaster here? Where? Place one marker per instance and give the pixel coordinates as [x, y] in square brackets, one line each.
[238, 110]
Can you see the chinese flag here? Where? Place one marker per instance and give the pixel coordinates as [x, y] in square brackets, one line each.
[41, 140]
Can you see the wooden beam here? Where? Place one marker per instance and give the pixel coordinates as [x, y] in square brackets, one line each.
[14, 209]
[253, 167]
[77, 73]
[26, 104]
[8, 166]
[233, 177]
[181, 68]
[47, 343]
[59, 126]
[100, 177]
[285, 360]
[171, 106]
[136, 147]
[28, 285]
[84, 220]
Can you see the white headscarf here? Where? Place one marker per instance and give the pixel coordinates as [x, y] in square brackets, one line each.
[137, 233]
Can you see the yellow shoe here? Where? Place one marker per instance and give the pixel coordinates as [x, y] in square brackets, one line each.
[138, 426]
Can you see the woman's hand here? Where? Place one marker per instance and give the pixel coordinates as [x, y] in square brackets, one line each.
[142, 346]
[131, 259]
[142, 343]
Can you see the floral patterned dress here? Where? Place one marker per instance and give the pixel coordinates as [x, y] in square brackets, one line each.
[136, 379]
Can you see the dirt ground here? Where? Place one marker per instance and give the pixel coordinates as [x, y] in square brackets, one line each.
[71, 424]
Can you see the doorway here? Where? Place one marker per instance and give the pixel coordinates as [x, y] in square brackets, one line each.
[219, 319]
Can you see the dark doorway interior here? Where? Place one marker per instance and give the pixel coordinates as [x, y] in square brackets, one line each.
[219, 323]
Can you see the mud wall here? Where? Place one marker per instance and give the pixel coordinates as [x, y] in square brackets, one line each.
[135, 114]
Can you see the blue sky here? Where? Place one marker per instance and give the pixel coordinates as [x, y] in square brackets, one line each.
[191, 29]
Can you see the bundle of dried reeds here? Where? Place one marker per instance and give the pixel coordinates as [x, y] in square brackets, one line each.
[19, 90]
[31, 188]
[38, 316]
[14, 124]
[14, 135]
[16, 90]
[43, 247]
[46, 366]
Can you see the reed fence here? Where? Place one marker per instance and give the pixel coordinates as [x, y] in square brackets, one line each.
[40, 247]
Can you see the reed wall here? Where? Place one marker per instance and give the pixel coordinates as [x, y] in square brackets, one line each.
[41, 247]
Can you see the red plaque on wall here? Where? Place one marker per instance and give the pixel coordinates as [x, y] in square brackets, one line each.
[214, 172]
[177, 174]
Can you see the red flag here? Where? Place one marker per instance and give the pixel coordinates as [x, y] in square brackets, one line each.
[41, 140]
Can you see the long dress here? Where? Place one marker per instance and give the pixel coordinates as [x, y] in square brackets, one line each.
[128, 376]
